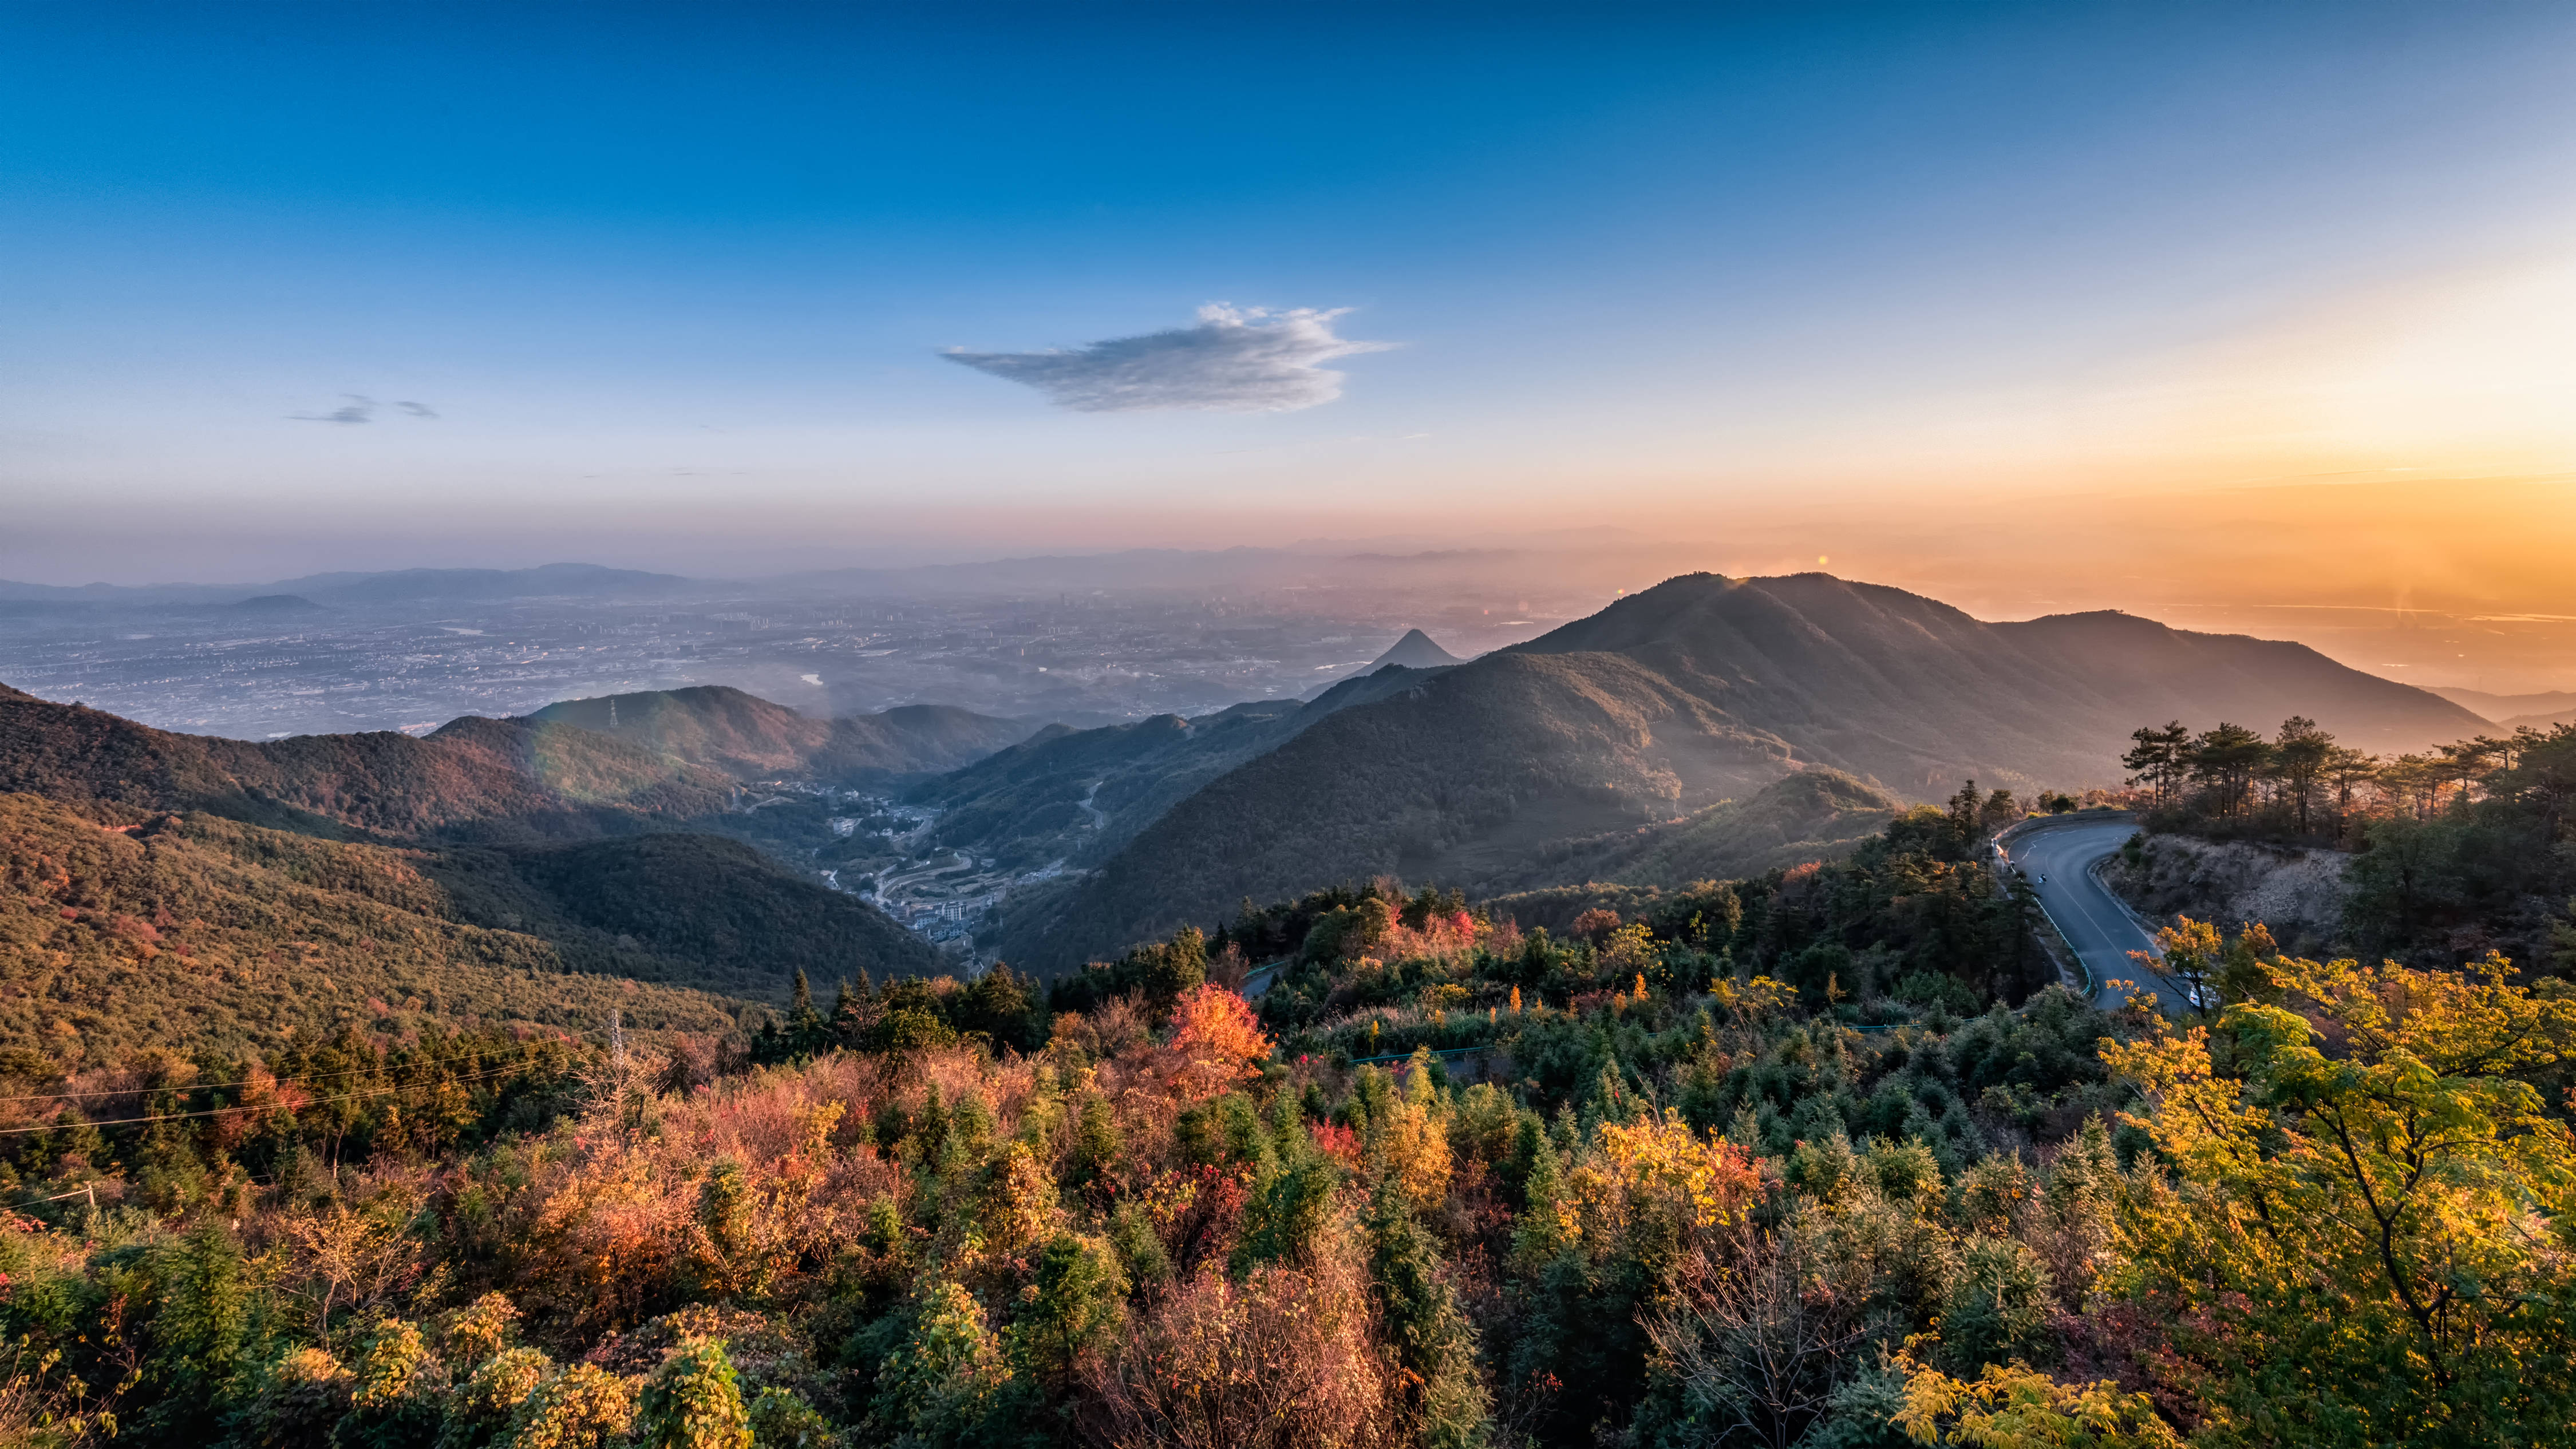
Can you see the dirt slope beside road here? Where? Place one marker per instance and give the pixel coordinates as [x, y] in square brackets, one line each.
[2296, 892]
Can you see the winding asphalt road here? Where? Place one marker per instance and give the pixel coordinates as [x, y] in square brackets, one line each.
[2058, 859]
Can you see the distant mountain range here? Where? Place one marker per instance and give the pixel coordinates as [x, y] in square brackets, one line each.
[1700, 689]
[2513, 711]
[445, 869]
[479, 779]
[750, 738]
[1706, 727]
[395, 587]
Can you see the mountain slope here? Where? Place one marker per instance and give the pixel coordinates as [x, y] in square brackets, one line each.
[1079, 795]
[1461, 776]
[121, 928]
[460, 836]
[1914, 693]
[2513, 711]
[751, 738]
[199, 932]
[1698, 690]
[709, 912]
[1815, 814]
[2127, 667]
[475, 777]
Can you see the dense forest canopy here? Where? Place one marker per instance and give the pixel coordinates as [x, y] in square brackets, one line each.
[1823, 1156]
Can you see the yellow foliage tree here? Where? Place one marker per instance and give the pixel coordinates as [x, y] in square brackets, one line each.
[2366, 1238]
[1656, 1171]
[1413, 1135]
[2015, 1407]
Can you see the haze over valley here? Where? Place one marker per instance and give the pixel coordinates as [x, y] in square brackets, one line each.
[1087, 640]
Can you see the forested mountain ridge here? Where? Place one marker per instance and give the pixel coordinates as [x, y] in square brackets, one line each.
[473, 777]
[196, 932]
[1080, 795]
[1698, 690]
[751, 738]
[2126, 663]
[528, 846]
[1457, 777]
[201, 934]
[1914, 693]
[1809, 814]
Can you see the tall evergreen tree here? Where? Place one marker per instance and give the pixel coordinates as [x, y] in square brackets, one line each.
[1433, 1341]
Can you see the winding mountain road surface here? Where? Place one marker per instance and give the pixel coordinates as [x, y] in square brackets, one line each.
[2059, 861]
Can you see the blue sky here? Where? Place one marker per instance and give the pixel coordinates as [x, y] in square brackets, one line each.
[675, 281]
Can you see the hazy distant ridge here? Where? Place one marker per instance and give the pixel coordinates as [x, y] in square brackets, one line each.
[751, 738]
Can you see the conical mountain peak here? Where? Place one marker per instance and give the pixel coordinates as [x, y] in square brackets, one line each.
[1416, 650]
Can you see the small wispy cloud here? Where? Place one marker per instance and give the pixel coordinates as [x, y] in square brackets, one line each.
[1237, 359]
[361, 409]
[356, 410]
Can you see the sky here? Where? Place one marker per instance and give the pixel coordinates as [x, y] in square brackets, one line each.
[2053, 289]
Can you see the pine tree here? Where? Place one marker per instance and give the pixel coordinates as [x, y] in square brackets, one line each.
[2157, 760]
[1433, 1341]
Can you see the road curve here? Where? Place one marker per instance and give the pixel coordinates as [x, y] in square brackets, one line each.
[2059, 861]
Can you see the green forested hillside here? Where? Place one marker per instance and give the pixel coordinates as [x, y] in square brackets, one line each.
[481, 778]
[1698, 690]
[732, 916]
[190, 929]
[750, 738]
[491, 850]
[1463, 776]
[1081, 795]
[1814, 814]
[204, 934]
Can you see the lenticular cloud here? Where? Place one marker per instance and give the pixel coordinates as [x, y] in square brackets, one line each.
[1237, 359]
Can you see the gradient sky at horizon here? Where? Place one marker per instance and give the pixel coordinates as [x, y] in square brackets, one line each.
[674, 282]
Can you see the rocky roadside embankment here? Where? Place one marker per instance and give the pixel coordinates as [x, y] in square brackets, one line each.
[2297, 892]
